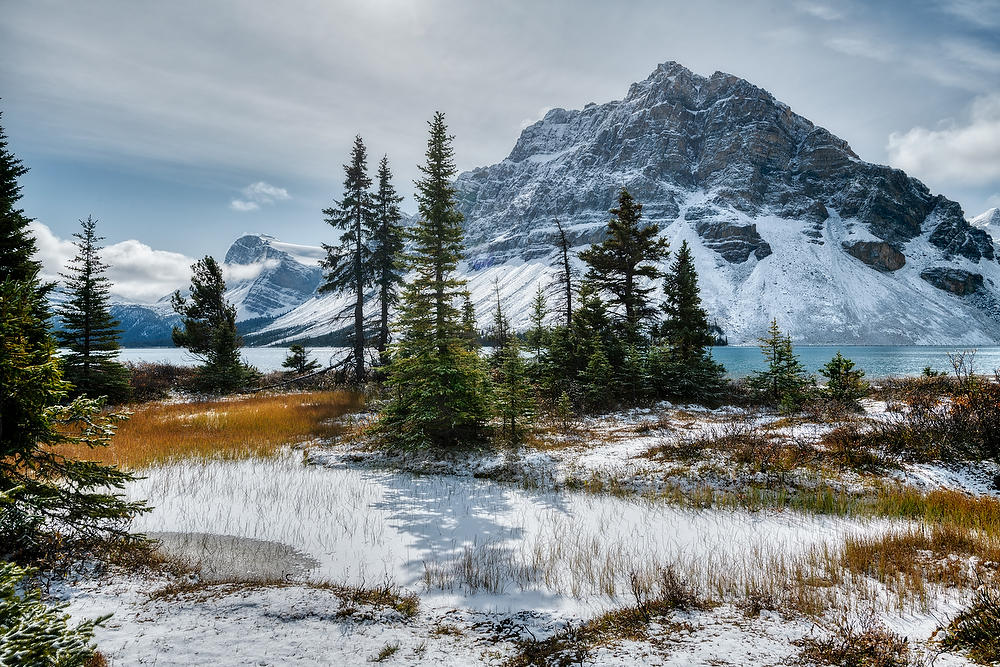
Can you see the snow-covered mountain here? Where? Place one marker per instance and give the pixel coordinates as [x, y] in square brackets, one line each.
[265, 277]
[989, 222]
[784, 219]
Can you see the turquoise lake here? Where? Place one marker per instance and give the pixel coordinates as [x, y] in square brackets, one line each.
[877, 361]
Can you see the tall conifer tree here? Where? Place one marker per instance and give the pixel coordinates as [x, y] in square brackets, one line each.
[684, 367]
[565, 276]
[440, 390]
[348, 266]
[89, 332]
[46, 500]
[620, 263]
[387, 248]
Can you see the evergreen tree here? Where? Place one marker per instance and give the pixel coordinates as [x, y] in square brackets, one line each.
[387, 248]
[514, 400]
[210, 330]
[440, 392]
[470, 334]
[33, 633]
[348, 266]
[48, 501]
[845, 383]
[785, 381]
[89, 332]
[565, 276]
[628, 256]
[500, 331]
[298, 361]
[683, 367]
[17, 245]
[537, 333]
[597, 378]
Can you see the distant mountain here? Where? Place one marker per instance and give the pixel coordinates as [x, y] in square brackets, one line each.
[989, 222]
[265, 278]
[783, 218]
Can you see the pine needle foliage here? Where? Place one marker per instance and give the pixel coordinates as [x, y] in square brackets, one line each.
[439, 389]
[209, 331]
[387, 249]
[624, 262]
[349, 265]
[89, 333]
[32, 633]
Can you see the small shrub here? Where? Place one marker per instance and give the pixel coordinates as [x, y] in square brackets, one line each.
[154, 381]
[866, 644]
[977, 628]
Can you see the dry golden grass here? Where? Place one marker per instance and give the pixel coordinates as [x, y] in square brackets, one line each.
[240, 428]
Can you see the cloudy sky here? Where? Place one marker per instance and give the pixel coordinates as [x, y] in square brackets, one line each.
[182, 124]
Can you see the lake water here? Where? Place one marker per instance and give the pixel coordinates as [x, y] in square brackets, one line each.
[877, 361]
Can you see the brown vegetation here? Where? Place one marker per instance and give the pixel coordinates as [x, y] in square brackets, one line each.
[237, 428]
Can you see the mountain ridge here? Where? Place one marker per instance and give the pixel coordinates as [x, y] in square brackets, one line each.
[784, 219]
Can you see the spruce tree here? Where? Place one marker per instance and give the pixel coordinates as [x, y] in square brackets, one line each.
[628, 256]
[564, 277]
[387, 248]
[845, 384]
[47, 501]
[514, 399]
[17, 245]
[90, 334]
[683, 366]
[298, 361]
[536, 335]
[784, 382]
[500, 331]
[440, 394]
[209, 330]
[348, 266]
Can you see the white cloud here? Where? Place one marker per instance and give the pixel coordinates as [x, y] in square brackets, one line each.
[243, 206]
[238, 272]
[265, 192]
[138, 273]
[956, 153]
[258, 193]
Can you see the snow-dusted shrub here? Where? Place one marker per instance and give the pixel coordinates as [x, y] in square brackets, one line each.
[977, 628]
[33, 633]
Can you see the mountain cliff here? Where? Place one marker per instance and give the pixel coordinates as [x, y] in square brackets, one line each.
[783, 218]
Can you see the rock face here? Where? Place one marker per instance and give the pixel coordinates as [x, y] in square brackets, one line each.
[956, 281]
[266, 279]
[676, 133]
[879, 255]
[776, 209]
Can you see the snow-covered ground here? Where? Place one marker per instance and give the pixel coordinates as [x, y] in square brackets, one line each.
[493, 563]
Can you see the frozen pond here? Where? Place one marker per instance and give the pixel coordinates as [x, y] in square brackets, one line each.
[486, 544]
